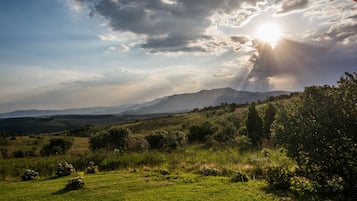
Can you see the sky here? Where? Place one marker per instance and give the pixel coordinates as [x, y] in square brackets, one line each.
[57, 54]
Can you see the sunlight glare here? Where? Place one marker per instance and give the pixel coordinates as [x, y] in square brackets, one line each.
[269, 33]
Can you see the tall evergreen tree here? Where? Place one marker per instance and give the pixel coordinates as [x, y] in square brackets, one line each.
[254, 124]
[269, 117]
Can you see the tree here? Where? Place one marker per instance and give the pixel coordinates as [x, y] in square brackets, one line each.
[200, 132]
[320, 133]
[254, 125]
[268, 119]
[56, 146]
[115, 138]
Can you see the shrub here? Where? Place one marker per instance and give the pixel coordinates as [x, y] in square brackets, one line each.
[19, 154]
[206, 171]
[29, 175]
[278, 178]
[56, 146]
[302, 187]
[91, 168]
[156, 139]
[201, 132]
[239, 177]
[115, 138]
[137, 144]
[164, 172]
[75, 184]
[166, 140]
[64, 169]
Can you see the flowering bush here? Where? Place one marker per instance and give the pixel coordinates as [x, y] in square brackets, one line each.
[64, 169]
[75, 184]
[29, 175]
[239, 177]
[91, 168]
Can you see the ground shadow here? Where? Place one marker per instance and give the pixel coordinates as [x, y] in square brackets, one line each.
[62, 191]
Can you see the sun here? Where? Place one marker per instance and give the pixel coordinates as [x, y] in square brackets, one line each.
[269, 33]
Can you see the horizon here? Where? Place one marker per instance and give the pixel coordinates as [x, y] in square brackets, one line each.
[83, 53]
[142, 102]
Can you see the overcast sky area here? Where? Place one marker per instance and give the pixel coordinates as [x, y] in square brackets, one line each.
[57, 54]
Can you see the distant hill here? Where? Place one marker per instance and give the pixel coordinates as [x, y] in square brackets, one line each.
[170, 104]
[187, 102]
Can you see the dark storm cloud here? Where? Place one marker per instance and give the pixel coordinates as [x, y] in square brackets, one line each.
[306, 64]
[291, 5]
[169, 27]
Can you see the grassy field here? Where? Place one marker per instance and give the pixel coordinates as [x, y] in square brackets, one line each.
[138, 185]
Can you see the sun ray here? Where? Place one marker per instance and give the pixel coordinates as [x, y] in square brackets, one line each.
[269, 33]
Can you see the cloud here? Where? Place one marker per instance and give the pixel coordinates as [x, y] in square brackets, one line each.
[340, 32]
[240, 39]
[292, 5]
[166, 25]
[303, 64]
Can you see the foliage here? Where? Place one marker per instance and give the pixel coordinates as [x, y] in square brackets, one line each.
[56, 146]
[137, 144]
[165, 140]
[91, 168]
[115, 138]
[3, 139]
[207, 171]
[19, 154]
[268, 118]
[200, 133]
[156, 139]
[225, 134]
[254, 125]
[278, 178]
[29, 175]
[75, 184]
[303, 187]
[64, 169]
[239, 177]
[320, 133]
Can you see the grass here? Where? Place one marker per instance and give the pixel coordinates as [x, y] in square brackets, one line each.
[138, 185]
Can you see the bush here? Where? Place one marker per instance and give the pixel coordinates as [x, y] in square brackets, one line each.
[206, 171]
[56, 146]
[29, 175]
[19, 154]
[138, 144]
[75, 184]
[239, 177]
[115, 138]
[200, 133]
[156, 139]
[64, 169]
[302, 187]
[278, 178]
[91, 168]
[166, 140]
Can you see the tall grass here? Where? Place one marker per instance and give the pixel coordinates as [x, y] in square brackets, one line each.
[189, 159]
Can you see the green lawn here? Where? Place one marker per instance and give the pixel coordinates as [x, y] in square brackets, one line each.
[138, 185]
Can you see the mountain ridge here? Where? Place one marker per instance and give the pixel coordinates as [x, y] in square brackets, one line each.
[168, 104]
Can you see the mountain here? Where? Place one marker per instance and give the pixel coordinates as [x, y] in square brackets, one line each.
[170, 104]
[187, 102]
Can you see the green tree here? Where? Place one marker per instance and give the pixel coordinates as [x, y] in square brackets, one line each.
[320, 133]
[115, 138]
[200, 132]
[56, 146]
[254, 124]
[268, 119]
